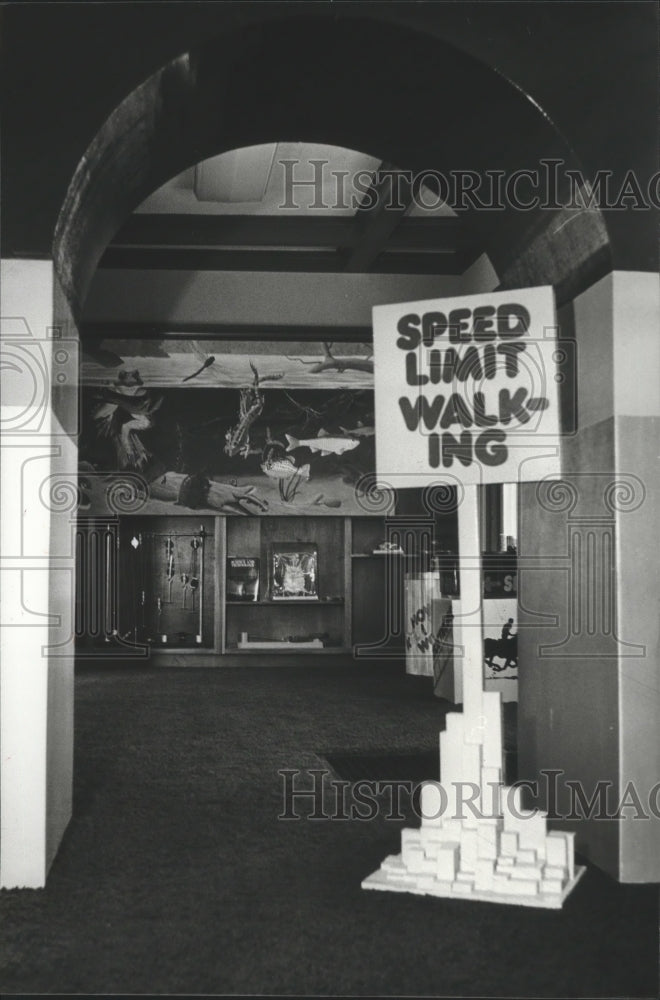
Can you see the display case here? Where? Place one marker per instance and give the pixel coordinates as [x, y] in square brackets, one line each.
[177, 587]
[304, 596]
[166, 591]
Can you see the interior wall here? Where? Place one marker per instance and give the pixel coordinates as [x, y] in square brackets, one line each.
[637, 432]
[588, 584]
[38, 458]
[568, 683]
[245, 297]
[62, 499]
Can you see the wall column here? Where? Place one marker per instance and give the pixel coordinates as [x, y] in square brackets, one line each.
[38, 462]
[589, 577]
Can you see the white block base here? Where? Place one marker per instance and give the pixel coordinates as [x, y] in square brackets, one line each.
[461, 890]
[497, 851]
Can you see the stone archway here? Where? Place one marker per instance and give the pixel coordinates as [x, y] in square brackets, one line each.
[368, 85]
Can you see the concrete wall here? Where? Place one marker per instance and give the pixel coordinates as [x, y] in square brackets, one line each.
[588, 578]
[38, 467]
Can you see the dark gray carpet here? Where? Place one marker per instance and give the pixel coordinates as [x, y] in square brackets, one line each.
[176, 875]
[409, 765]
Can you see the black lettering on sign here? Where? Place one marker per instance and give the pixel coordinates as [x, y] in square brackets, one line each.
[456, 412]
[449, 364]
[459, 328]
[490, 361]
[481, 418]
[434, 325]
[457, 448]
[469, 366]
[412, 375]
[512, 320]
[422, 410]
[466, 427]
[513, 406]
[490, 448]
[510, 354]
[409, 333]
[435, 366]
[483, 323]
[463, 325]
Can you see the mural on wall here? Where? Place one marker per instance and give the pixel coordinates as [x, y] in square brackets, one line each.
[174, 425]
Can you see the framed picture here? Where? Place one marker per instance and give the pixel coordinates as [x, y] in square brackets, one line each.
[242, 578]
[294, 571]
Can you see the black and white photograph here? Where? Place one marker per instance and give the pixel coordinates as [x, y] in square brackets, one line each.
[329, 498]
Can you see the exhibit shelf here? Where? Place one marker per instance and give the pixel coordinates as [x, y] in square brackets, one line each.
[290, 650]
[265, 539]
[301, 602]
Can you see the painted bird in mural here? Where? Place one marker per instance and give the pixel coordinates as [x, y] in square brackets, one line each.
[126, 409]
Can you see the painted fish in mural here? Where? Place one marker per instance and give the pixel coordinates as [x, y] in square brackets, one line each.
[326, 443]
[359, 431]
[284, 468]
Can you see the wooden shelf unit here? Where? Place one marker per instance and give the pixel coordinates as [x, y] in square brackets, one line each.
[360, 605]
[278, 619]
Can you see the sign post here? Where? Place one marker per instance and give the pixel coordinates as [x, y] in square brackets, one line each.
[466, 393]
[469, 582]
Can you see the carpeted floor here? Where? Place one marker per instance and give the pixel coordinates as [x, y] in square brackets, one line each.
[176, 875]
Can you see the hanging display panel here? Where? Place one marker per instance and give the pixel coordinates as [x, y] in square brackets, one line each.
[173, 425]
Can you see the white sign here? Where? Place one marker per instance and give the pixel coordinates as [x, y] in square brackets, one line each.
[466, 389]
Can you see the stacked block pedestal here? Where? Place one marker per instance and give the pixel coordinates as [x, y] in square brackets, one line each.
[475, 840]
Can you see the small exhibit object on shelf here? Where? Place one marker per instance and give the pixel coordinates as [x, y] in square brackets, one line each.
[242, 578]
[388, 549]
[294, 571]
[246, 643]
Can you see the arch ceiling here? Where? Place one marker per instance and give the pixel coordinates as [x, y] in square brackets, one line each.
[400, 96]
